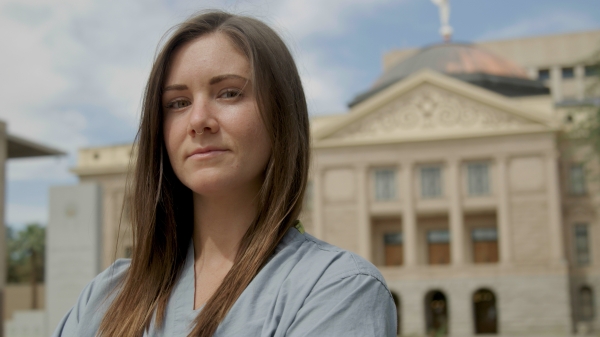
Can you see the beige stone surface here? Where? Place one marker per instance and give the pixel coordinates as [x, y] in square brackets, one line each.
[17, 297]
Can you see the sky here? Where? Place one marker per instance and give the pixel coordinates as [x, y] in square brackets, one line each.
[73, 71]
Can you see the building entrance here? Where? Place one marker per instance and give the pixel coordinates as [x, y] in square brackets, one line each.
[484, 310]
[436, 313]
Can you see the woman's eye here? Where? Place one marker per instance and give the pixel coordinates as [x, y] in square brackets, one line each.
[178, 104]
[230, 93]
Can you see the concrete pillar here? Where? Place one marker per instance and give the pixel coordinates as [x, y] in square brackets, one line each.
[317, 213]
[3, 158]
[413, 309]
[556, 83]
[580, 80]
[364, 220]
[457, 228]
[554, 208]
[409, 218]
[503, 211]
[460, 311]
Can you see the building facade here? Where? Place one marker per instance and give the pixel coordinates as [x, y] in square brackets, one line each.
[453, 175]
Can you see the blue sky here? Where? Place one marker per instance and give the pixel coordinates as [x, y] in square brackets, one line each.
[73, 70]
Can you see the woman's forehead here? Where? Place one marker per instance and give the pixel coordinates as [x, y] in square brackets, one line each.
[210, 55]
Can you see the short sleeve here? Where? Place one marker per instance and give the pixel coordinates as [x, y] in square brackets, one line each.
[358, 305]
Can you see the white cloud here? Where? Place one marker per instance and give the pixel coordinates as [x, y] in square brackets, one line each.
[40, 169]
[547, 22]
[63, 60]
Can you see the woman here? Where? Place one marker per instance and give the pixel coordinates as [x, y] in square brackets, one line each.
[223, 157]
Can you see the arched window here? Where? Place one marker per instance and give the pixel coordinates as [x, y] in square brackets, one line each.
[586, 303]
[398, 311]
[485, 313]
[436, 313]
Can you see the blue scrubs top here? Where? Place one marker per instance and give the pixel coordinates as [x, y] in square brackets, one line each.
[308, 288]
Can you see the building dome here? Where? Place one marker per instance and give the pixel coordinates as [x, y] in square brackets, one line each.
[466, 62]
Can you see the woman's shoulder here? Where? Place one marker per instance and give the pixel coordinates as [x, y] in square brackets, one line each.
[326, 263]
[108, 279]
[342, 263]
[93, 300]
[318, 289]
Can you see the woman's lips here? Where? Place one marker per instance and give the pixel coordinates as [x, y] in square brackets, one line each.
[208, 152]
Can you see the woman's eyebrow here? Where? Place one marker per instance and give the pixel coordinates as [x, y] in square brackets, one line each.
[176, 87]
[220, 78]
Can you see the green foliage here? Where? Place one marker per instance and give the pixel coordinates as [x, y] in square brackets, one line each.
[26, 253]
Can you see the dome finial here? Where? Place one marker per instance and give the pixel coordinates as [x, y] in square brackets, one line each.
[445, 29]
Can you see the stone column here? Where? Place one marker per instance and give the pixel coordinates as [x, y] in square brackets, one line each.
[317, 213]
[554, 208]
[3, 158]
[364, 221]
[457, 228]
[413, 309]
[503, 210]
[556, 83]
[409, 218]
[580, 80]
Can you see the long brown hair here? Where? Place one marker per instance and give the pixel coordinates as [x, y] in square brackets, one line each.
[161, 207]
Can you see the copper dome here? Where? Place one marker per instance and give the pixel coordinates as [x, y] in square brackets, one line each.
[466, 62]
[455, 58]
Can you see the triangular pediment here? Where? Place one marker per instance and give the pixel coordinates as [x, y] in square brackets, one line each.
[431, 106]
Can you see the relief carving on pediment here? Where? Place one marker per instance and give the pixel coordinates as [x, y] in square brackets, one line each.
[429, 108]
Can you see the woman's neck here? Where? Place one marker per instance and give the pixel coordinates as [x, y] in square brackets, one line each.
[220, 223]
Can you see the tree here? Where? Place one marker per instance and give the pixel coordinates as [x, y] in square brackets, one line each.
[26, 252]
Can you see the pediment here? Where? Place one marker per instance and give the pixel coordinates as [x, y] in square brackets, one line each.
[426, 110]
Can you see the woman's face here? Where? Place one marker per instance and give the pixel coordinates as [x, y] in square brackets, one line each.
[215, 137]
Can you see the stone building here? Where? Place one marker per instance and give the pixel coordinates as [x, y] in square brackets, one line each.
[452, 175]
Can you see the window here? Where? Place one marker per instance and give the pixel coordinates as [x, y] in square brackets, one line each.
[592, 71]
[431, 182]
[586, 303]
[478, 179]
[582, 248]
[438, 242]
[543, 74]
[128, 252]
[577, 179]
[393, 249]
[385, 184]
[485, 245]
[568, 72]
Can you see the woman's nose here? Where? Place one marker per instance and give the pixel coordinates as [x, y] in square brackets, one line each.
[202, 119]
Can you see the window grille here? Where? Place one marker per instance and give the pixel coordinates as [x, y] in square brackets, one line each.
[568, 72]
[582, 249]
[392, 239]
[438, 236]
[577, 179]
[484, 234]
[478, 179]
[431, 182]
[385, 184]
